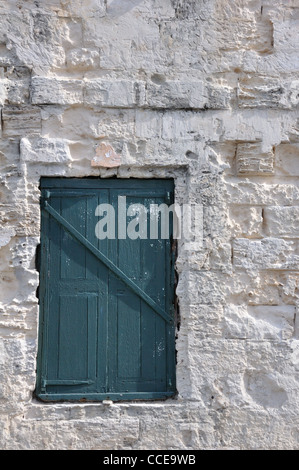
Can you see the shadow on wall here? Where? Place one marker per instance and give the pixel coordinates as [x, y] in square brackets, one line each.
[119, 7]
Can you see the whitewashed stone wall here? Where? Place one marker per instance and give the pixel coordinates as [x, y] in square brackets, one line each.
[207, 92]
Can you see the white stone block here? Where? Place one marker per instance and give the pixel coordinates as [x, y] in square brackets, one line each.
[282, 221]
[252, 160]
[287, 159]
[176, 94]
[44, 150]
[266, 92]
[259, 322]
[83, 58]
[6, 235]
[286, 34]
[3, 91]
[268, 253]
[246, 221]
[89, 9]
[252, 193]
[17, 91]
[148, 124]
[112, 93]
[186, 95]
[21, 120]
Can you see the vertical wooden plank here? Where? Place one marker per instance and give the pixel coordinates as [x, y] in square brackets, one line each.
[94, 268]
[53, 276]
[92, 336]
[128, 338]
[97, 271]
[72, 323]
[153, 261]
[129, 308]
[125, 323]
[153, 340]
[112, 334]
[150, 283]
[112, 317]
[148, 343]
[145, 262]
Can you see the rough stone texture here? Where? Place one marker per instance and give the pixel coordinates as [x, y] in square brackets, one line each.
[206, 92]
[40, 150]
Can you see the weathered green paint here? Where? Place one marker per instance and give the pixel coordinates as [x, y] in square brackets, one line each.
[106, 321]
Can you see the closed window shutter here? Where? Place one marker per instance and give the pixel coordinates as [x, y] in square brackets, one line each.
[107, 329]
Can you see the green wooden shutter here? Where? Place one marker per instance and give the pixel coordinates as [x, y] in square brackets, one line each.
[106, 323]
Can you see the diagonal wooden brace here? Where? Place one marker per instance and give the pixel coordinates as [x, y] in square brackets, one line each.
[109, 264]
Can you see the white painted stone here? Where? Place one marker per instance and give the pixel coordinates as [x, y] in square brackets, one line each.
[268, 253]
[34, 37]
[6, 235]
[56, 91]
[184, 94]
[259, 322]
[112, 93]
[86, 9]
[201, 91]
[44, 150]
[251, 160]
[287, 157]
[19, 121]
[252, 193]
[246, 221]
[3, 91]
[83, 58]
[282, 221]
[148, 124]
